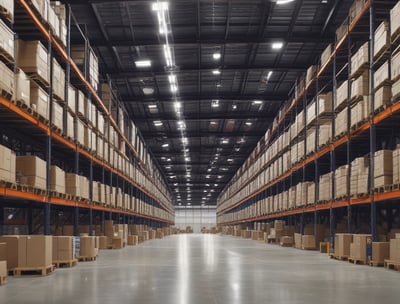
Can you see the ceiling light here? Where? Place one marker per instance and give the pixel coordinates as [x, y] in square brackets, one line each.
[165, 145]
[172, 79]
[234, 107]
[208, 176]
[175, 184]
[213, 122]
[237, 149]
[248, 123]
[209, 170]
[203, 198]
[277, 45]
[220, 176]
[187, 159]
[224, 169]
[147, 90]
[184, 139]
[177, 105]
[230, 160]
[225, 141]
[207, 185]
[257, 102]
[169, 159]
[280, 2]
[216, 72]
[157, 123]
[269, 75]
[152, 106]
[180, 204]
[217, 56]
[143, 63]
[167, 55]
[160, 6]
[215, 103]
[218, 85]
[174, 88]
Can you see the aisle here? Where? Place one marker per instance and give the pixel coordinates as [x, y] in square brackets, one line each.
[207, 269]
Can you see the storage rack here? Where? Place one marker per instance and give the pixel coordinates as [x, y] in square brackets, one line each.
[342, 148]
[40, 136]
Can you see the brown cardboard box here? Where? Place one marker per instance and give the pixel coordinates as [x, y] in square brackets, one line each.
[246, 234]
[132, 240]
[308, 242]
[33, 58]
[87, 246]
[16, 247]
[360, 246]
[342, 244]
[383, 163]
[380, 251]
[57, 180]
[39, 100]
[68, 230]
[39, 251]
[3, 251]
[63, 248]
[382, 38]
[3, 269]
[7, 164]
[22, 87]
[34, 169]
[117, 243]
[297, 240]
[286, 241]
[104, 242]
[395, 250]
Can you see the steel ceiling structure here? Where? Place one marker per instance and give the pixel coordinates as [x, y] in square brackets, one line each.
[220, 118]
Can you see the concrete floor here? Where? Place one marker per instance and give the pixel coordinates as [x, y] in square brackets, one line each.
[208, 269]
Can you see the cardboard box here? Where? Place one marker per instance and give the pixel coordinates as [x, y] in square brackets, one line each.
[359, 60]
[297, 240]
[63, 248]
[22, 90]
[382, 38]
[286, 241]
[3, 269]
[360, 86]
[33, 58]
[117, 243]
[7, 164]
[382, 75]
[57, 179]
[58, 81]
[383, 97]
[3, 251]
[395, 67]
[308, 242]
[87, 246]
[341, 95]
[33, 169]
[16, 248]
[39, 100]
[380, 252]
[39, 251]
[383, 163]
[104, 242]
[8, 6]
[395, 20]
[132, 240]
[6, 41]
[326, 54]
[246, 234]
[360, 242]
[342, 244]
[383, 180]
[394, 250]
[6, 79]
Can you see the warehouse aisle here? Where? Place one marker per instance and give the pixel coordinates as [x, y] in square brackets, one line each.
[203, 269]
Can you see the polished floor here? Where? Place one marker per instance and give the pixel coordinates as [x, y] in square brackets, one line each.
[208, 269]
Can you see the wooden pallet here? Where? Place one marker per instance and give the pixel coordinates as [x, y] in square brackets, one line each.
[359, 195]
[376, 264]
[87, 259]
[392, 265]
[56, 194]
[42, 271]
[339, 258]
[7, 95]
[40, 117]
[56, 129]
[43, 83]
[66, 264]
[356, 262]
[381, 109]
[7, 184]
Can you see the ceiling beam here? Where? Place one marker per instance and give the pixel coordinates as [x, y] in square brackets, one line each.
[296, 38]
[185, 98]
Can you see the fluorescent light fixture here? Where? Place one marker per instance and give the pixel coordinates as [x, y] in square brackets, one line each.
[167, 55]
[187, 159]
[184, 140]
[234, 107]
[269, 75]
[204, 190]
[218, 85]
[175, 184]
[209, 170]
[213, 123]
[216, 72]
[207, 185]
[215, 103]
[257, 102]
[174, 88]
[147, 90]
[180, 204]
[225, 141]
[152, 106]
[230, 160]
[172, 79]
[277, 45]
[181, 122]
[248, 123]
[215, 185]
[208, 176]
[143, 63]
[220, 176]
[160, 6]
[217, 55]
[177, 105]
[224, 169]
[280, 2]
[165, 145]
[168, 159]
[237, 149]
[203, 198]
[157, 123]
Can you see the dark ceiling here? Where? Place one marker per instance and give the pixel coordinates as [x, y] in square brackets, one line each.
[220, 135]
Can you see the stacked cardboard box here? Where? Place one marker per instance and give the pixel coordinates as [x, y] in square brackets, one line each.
[58, 81]
[7, 164]
[359, 176]
[105, 242]
[396, 166]
[297, 240]
[246, 234]
[359, 247]
[341, 181]
[310, 193]
[394, 249]
[395, 20]
[39, 100]
[63, 248]
[32, 57]
[360, 86]
[382, 38]
[76, 185]
[87, 247]
[57, 179]
[359, 61]
[380, 252]
[341, 95]
[31, 171]
[324, 133]
[22, 88]
[342, 244]
[287, 241]
[132, 240]
[383, 97]
[325, 187]
[341, 122]
[382, 75]
[308, 242]
[326, 54]
[383, 168]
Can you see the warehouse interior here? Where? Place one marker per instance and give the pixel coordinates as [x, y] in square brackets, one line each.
[199, 151]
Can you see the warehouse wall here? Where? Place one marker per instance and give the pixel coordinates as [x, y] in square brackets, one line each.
[197, 217]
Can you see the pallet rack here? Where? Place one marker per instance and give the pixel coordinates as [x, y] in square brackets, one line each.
[341, 150]
[39, 135]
